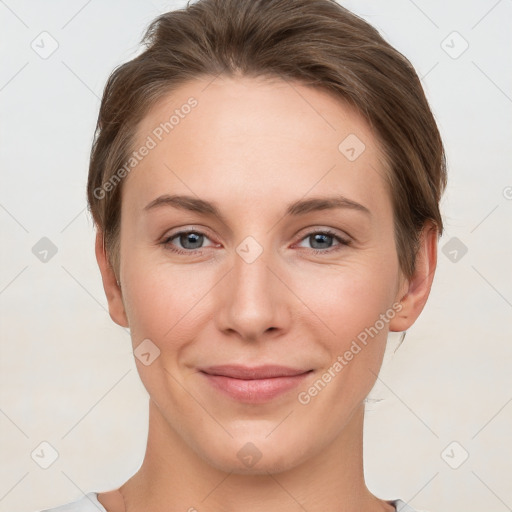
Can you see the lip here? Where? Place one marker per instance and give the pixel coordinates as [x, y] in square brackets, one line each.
[254, 384]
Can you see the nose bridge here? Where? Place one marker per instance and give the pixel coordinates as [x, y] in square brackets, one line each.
[252, 301]
[250, 273]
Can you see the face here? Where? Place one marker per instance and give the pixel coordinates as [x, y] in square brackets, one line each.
[268, 292]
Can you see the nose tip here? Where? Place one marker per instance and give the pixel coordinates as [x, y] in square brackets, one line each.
[251, 303]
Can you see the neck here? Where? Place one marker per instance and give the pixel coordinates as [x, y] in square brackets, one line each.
[174, 477]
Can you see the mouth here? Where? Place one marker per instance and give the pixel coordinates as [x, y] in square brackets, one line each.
[254, 384]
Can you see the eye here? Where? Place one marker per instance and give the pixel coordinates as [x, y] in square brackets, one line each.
[322, 240]
[191, 242]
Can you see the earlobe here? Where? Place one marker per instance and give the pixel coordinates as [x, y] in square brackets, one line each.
[414, 295]
[110, 285]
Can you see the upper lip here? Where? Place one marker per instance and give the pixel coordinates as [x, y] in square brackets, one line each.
[252, 372]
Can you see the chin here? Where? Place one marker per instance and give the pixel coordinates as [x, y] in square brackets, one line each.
[254, 456]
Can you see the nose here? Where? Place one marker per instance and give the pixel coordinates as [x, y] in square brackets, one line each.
[253, 302]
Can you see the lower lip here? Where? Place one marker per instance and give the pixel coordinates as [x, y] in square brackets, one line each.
[256, 390]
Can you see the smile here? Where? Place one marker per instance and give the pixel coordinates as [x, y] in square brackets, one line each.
[254, 384]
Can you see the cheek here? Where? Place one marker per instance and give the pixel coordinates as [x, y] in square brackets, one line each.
[348, 298]
[161, 300]
[351, 304]
[163, 304]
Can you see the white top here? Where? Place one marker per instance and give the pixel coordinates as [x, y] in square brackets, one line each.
[89, 503]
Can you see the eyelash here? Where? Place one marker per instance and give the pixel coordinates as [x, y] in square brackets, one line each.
[342, 242]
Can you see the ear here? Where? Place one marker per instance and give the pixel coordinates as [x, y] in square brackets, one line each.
[414, 292]
[110, 285]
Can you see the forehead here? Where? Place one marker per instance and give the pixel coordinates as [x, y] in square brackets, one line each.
[256, 141]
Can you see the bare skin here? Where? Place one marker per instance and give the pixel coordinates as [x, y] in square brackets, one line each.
[252, 147]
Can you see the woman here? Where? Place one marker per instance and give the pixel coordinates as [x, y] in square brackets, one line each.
[265, 182]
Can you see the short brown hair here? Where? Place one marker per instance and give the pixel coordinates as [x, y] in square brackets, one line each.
[313, 42]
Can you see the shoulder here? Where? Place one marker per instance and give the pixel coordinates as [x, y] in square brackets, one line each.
[87, 503]
[402, 506]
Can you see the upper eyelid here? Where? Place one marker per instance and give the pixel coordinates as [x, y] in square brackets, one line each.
[201, 230]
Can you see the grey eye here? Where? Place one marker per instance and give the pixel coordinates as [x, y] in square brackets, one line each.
[190, 240]
[322, 239]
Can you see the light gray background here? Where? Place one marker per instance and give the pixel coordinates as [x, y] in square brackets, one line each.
[67, 373]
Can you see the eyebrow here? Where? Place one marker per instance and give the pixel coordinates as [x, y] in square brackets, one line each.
[300, 207]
